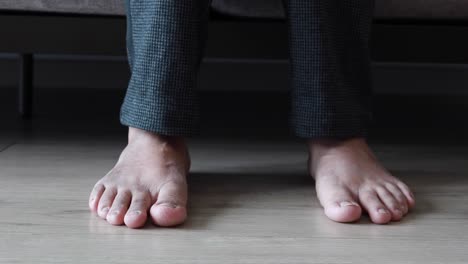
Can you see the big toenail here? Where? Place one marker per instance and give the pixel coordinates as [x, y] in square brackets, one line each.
[346, 203]
[171, 205]
[134, 213]
[382, 211]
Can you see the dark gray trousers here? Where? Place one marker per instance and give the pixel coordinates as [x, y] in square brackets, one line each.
[329, 66]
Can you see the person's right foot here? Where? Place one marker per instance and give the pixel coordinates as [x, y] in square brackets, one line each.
[149, 177]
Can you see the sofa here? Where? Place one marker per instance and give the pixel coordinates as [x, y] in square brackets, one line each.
[425, 9]
[424, 31]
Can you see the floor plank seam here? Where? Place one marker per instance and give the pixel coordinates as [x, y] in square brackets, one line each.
[7, 146]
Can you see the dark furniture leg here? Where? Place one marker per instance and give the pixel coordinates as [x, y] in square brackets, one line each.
[26, 86]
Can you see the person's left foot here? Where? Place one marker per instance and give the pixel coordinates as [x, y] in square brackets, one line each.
[349, 178]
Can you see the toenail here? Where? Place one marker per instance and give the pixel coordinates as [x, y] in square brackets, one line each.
[171, 205]
[134, 213]
[347, 203]
[398, 211]
[114, 213]
[105, 209]
[382, 211]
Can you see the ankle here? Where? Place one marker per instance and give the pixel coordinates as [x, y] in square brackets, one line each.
[136, 135]
[325, 147]
[173, 147]
[335, 142]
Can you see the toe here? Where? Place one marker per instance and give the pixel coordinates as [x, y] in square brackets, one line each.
[390, 202]
[105, 202]
[138, 211]
[408, 194]
[170, 207]
[119, 208]
[95, 196]
[399, 196]
[377, 210]
[339, 204]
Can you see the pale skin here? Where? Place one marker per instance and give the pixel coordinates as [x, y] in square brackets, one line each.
[149, 181]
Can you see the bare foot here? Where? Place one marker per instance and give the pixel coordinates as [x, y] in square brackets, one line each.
[349, 178]
[149, 178]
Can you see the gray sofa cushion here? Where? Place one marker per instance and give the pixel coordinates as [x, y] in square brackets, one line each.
[250, 8]
[422, 9]
[417, 9]
[99, 7]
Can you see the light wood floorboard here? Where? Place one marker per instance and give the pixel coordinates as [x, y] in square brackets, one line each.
[251, 202]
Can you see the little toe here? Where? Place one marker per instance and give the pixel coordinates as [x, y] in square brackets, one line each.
[390, 202]
[170, 207]
[106, 201]
[339, 205]
[377, 210]
[137, 213]
[95, 196]
[119, 208]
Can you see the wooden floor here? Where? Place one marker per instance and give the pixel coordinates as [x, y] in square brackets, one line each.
[251, 202]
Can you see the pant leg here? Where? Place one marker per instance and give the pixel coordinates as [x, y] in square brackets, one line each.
[165, 44]
[330, 67]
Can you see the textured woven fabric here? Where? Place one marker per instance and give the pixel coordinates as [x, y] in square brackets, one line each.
[330, 66]
[388, 9]
[165, 44]
[329, 53]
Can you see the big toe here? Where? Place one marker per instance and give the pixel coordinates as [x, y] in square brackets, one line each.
[343, 211]
[168, 214]
[340, 206]
[170, 208]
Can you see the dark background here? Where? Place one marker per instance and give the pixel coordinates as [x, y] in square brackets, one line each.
[240, 96]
